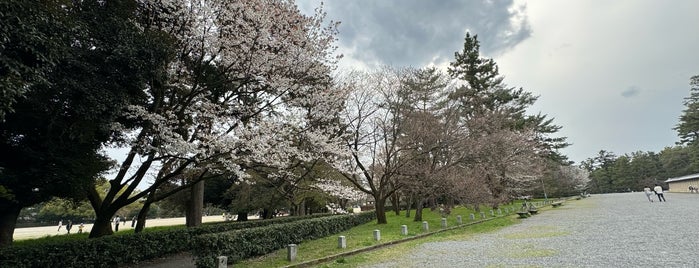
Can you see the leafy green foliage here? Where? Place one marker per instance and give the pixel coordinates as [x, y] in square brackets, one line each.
[688, 127]
[246, 243]
[109, 251]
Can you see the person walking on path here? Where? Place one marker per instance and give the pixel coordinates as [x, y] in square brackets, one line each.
[116, 223]
[648, 193]
[80, 228]
[60, 224]
[659, 192]
[69, 225]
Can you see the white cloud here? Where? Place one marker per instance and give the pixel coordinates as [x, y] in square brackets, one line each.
[612, 73]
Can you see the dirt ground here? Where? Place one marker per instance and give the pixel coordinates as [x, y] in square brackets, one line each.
[36, 232]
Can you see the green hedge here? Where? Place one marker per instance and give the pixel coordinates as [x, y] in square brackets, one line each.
[110, 251]
[241, 244]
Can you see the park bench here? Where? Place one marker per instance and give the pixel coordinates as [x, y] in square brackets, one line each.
[533, 211]
[523, 214]
[557, 204]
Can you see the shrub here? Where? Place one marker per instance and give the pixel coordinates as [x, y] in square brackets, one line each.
[110, 251]
[241, 244]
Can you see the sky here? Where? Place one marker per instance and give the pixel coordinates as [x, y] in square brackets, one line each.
[613, 74]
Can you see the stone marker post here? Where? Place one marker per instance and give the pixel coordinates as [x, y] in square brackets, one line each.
[500, 212]
[458, 220]
[473, 217]
[291, 252]
[377, 235]
[425, 226]
[404, 230]
[492, 214]
[482, 214]
[341, 242]
[444, 223]
[222, 262]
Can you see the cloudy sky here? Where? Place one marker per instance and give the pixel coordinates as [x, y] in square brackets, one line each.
[613, 74]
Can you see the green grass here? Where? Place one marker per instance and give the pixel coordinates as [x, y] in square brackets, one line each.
[362, 236]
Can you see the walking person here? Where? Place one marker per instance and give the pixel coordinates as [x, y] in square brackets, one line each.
[659, 192]
[133, 221]
[69, 225]
[60, 224]
[80, 228]
[117, 220]
[648, 193]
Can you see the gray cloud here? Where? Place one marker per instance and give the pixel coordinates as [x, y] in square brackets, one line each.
[414, 32]
[632, 91]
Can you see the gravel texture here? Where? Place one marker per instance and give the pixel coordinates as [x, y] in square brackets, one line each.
[609, 230]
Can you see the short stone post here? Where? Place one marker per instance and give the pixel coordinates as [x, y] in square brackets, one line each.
[222, 262]
[425, 226]
[482, 214]
[492, 214]
[404, 230]
[458, 220]
[444, 223]
[500, 212]
[377, 235]
[291, 250]
[341, 242]
[473, 217]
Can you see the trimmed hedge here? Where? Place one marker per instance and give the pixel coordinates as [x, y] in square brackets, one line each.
[241, 244]
[111, 251]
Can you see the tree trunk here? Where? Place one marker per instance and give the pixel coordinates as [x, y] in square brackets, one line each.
[8, 221]
[242, 216]
[418, 210]
[408, 205]
[381, 211]
[141, 219]
[102, 226]
[301, 209]
[267, 213]
[395, 201]
[432, 204]
[343, 203]
[195, 205]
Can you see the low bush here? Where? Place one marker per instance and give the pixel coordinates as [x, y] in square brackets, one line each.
[241, 244]
[110, 251]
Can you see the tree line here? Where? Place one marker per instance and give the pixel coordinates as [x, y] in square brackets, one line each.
[632, 171]
[239, 104]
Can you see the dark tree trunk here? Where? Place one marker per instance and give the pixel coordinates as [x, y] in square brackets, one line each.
[381, 211]
[301, 209]
[8, 221]
[343, 203]
[418, 210]
[408, 206]
[195, 205]
[242, 216]
[102, 226]
[267, 213]
[141, 219]
[395, 201]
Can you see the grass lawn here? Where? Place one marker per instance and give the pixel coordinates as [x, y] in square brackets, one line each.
[362, 237]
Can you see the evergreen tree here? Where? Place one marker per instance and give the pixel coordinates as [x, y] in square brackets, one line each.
[688, 127]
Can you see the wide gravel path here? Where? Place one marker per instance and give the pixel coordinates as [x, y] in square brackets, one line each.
[609, 230]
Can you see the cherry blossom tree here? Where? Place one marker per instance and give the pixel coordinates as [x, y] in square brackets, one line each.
[240, 71]
[373, 127]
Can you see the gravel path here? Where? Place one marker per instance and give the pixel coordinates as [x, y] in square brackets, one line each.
[611, 230]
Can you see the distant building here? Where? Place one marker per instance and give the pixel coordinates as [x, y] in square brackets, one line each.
[681, 184]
